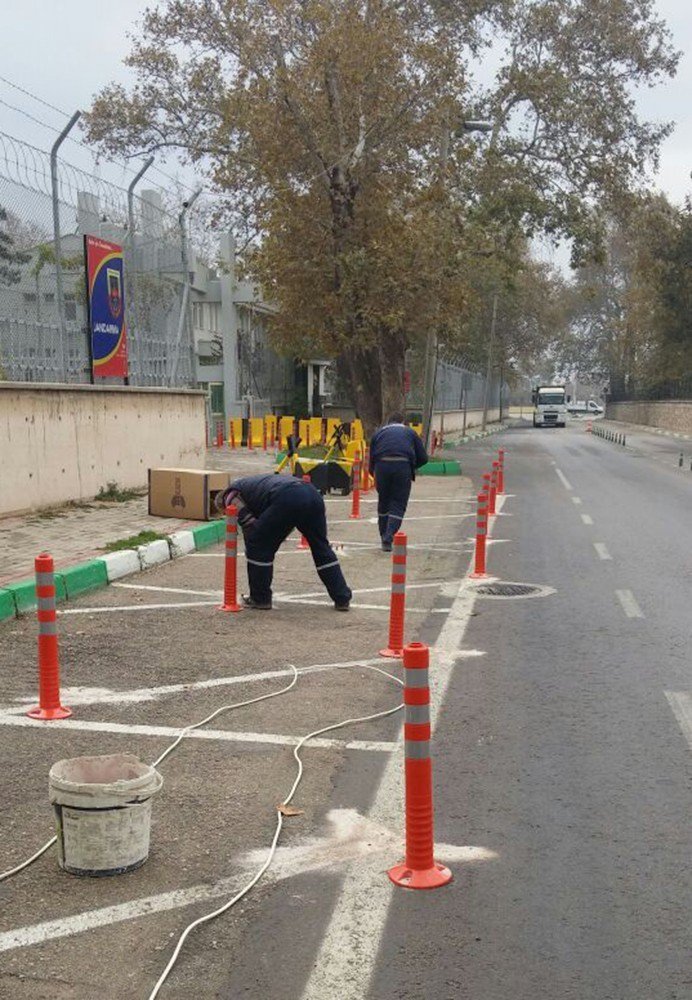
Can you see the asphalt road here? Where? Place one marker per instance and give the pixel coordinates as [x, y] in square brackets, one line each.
[557, 750]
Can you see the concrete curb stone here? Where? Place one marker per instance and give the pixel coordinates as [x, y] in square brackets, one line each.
[154, 553]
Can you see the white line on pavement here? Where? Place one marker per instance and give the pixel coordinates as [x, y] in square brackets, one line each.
[629, 604]
[169, 590]
[563, 479]
[587, 519]
[602, 550]
[345, 962]
[137, 607]
[276, 739]
[681, 704]
[576, 500]
[104, 696]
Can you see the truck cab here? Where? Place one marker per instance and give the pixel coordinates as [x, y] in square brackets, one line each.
[549, 406]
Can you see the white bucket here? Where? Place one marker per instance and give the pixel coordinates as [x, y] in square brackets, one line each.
[103, 812]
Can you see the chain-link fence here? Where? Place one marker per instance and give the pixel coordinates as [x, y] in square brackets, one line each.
[41, 341]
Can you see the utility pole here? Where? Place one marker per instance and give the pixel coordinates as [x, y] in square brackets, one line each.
[489, 366]
[59, 288]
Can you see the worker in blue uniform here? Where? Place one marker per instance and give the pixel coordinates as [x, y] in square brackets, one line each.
[269, 508]
[396, 452]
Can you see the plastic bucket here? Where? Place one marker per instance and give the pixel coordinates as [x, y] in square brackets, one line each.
[103, 812]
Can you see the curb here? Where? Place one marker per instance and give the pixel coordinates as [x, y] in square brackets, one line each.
[437, 468]
[20, 598]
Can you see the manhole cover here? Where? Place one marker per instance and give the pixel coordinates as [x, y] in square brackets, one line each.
[509, 590]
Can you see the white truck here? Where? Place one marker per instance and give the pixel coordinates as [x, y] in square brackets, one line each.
[549, 406]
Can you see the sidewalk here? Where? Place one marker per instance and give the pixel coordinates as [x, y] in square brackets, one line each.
[74, 534]
[662, 446]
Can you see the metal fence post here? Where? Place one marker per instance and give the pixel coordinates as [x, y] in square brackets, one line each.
[59, 289]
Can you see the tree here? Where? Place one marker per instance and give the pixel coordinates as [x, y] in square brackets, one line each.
[12, 257]
[327, 122]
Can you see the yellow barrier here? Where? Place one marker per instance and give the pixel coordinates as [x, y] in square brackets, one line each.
[304, 433]
[315, 430]
[357, 430]
[285, 428]
[354, 448]
[270, 424]
[418, 428]
[256, 431]
[235, 432]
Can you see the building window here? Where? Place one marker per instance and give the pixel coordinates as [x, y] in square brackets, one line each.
[198, 315]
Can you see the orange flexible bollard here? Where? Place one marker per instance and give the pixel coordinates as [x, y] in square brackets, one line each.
[397, 606]
[365, 478]
[486, 485]
[493, 491]
[355, 490]
[232, 433]
[501, 471]
[230, 577]
[264, 435]
[219, 435]
[419, 870]
[49, 706]
[481, 536]
[303, 543]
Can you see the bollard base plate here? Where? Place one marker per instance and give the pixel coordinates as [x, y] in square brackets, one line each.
[49, 713]
[230, 607]
[413, 878]
[478, 576]
[392, 654]
[354, 517]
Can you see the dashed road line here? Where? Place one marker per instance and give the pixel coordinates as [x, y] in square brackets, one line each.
[576, 500]
[681, 705]
[629, 604]
[587, 519]
[563, 479]
[602, 550]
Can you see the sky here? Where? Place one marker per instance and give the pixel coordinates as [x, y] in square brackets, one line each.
[65, 52]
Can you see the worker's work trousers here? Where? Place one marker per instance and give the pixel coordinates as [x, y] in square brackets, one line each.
[301, 508]
[393, 483]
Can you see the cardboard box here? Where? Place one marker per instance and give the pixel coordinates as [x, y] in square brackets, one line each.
[185, 493]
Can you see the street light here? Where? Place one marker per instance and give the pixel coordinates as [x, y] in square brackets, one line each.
[464, 128]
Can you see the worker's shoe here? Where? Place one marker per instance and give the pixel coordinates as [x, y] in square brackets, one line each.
[342, 606]
[248, 602]
[386, 546]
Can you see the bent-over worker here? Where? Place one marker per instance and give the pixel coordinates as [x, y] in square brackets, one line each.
[269, 508]
[396, 452]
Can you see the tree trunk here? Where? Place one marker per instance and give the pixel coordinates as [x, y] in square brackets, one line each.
[392, 358]
[361, 371]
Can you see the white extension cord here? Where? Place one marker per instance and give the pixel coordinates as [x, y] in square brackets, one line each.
[279, 816]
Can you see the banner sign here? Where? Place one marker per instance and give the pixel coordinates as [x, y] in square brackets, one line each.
[106, 303]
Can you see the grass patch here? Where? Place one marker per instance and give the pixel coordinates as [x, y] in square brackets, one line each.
[133, 541]
[113, 493]
[50, 513]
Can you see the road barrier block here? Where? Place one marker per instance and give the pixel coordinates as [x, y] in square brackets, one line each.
[83, 577]
[24, 594]
[208, 534]
[7, 607]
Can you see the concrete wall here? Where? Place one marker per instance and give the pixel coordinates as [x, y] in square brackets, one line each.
[61, 443]
[675, 415]
[454, 419]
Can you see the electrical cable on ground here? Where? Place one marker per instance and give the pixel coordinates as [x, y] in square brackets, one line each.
[277, 832]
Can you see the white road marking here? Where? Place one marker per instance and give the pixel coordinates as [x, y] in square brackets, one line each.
[602, 550]
[345, 962]
[576, 500]
[415, 517]
[169, 590]
[629, 604]
[587, 519]
[138, 607]
[681, 704]
[227, 735]
[350, 836]
[105, 696]
[563, 479]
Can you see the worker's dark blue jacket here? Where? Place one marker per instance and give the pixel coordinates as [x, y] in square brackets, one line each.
[397, 440]
[258, 492]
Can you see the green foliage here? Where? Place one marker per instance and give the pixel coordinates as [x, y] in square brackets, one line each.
[133, 541]
[11, 256]
[113, 492]
[334, 129]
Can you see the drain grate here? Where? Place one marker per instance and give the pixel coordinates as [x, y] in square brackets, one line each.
[508, 590]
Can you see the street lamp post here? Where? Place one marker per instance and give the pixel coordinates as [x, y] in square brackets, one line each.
[464, 128]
